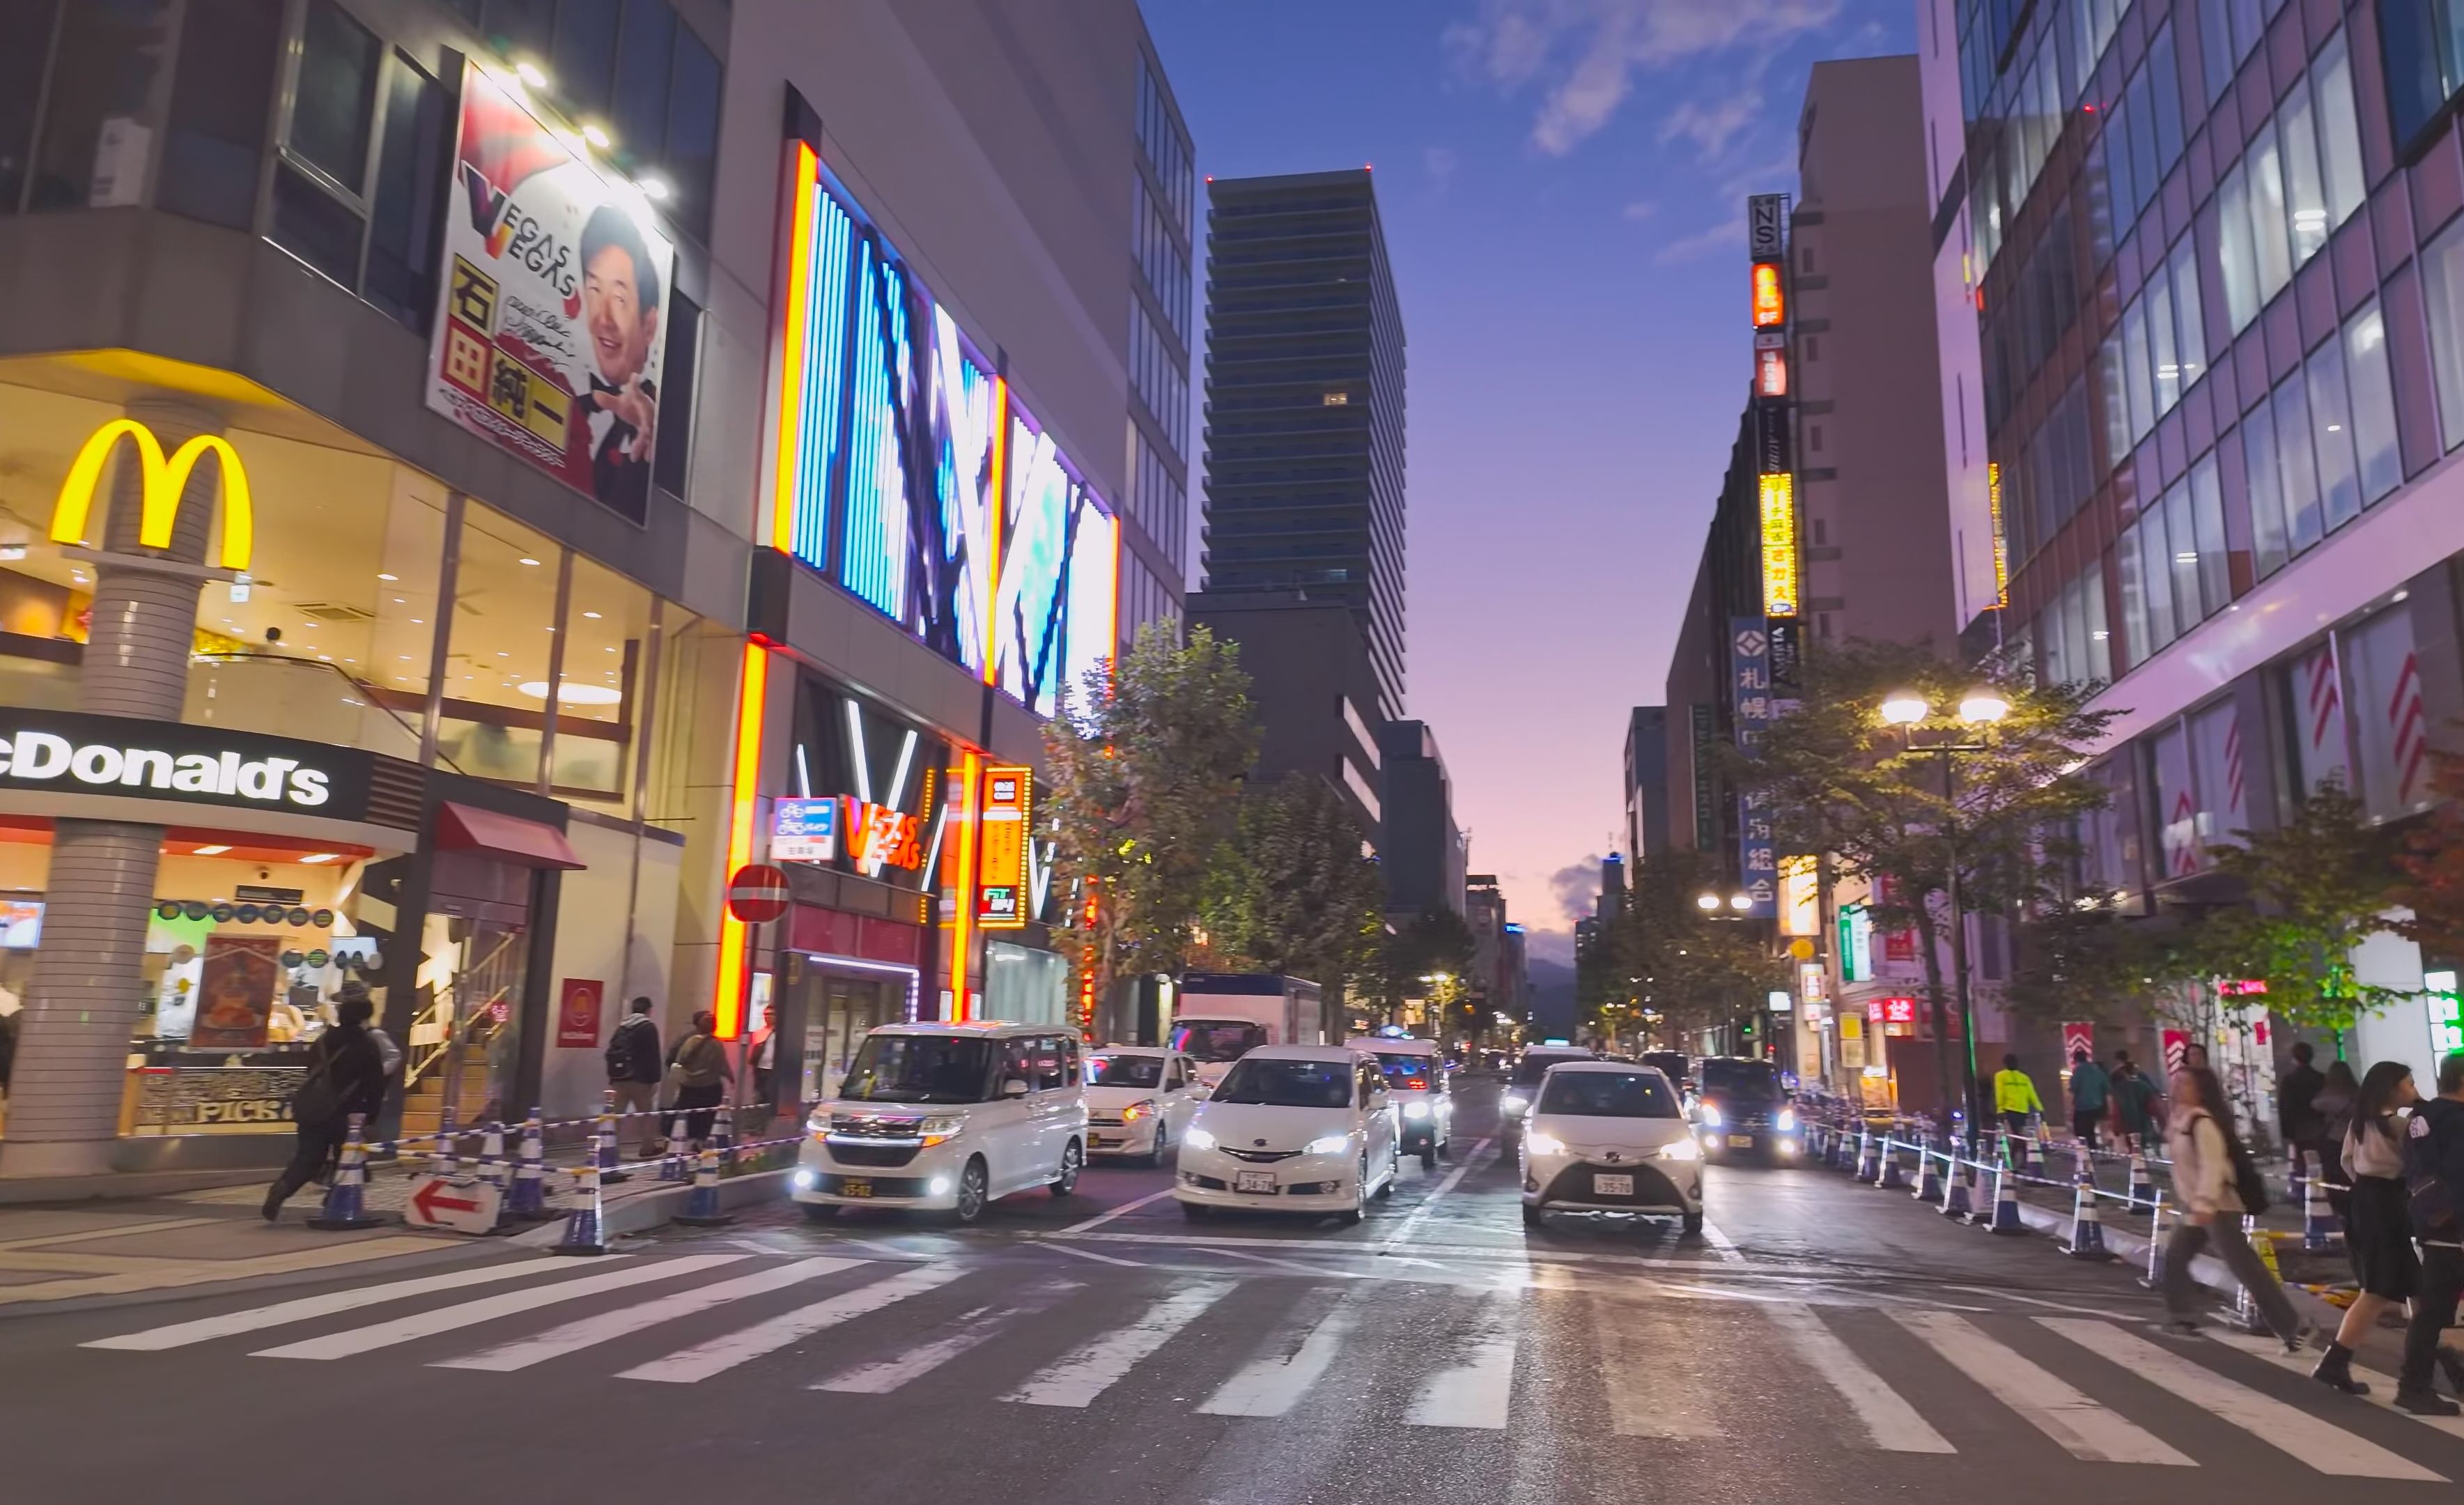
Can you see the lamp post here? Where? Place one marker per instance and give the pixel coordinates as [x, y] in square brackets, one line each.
[1978, 709]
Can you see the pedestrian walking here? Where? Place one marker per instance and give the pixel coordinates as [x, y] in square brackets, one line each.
[2015, 1096]
[345, 1075]
[2433, 1178]
[2216, 1183]
[2378, 1233]
[634, 1070]
[2297, 1091]
[2091, 1095]
[2137, 1106]
[699, 1071]
[2335, 1105]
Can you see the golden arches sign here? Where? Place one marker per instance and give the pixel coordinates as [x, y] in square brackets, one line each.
[165, 480]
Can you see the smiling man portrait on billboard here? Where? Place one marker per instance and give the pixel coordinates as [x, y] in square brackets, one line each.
[620, 312]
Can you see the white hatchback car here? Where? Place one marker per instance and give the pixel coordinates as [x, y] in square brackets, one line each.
[1138, 1100]
[1424, 1097]
[1610, 1137]
[1293, 1128]
[947, 1117]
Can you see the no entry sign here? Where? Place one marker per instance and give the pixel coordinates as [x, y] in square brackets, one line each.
[757, 894]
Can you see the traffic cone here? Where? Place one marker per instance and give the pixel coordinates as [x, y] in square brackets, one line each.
[1891, 1178]
[2087, 1220]
[1929, 1175]
[604, 1141]
[1869, 1161]
[347, 1199]
[585, 1221]
[1959, 1187]
[2318, 1225]
[2143, 1184]
[723, 1139]
[447, 1160]
[2154, 1279]
[494, 1171]
[2044, 1152]
[2005, 1207]
[701, 1203]
[528, 1202]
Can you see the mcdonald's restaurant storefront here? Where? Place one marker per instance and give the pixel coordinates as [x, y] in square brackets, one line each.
[380, 731]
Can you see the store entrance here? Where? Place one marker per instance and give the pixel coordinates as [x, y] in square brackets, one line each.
[839, 1008]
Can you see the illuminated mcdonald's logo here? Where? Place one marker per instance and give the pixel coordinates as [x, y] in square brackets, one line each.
[165, 480]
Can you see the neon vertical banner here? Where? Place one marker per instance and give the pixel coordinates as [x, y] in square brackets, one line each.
[753, 687]
[1007, 813]
[1751, 697]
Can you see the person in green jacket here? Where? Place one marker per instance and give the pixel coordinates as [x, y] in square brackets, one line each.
[2091, 1095]
[2015, 1096]
[2135, 1100]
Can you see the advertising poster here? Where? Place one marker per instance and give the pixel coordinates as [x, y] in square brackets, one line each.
[1000, 890]
[576, 1014]
[550, 328]
[235, 990]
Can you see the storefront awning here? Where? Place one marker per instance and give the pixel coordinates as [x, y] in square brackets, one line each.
[508, 839]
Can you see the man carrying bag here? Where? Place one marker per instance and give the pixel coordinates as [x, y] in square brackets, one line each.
[2433, 1178]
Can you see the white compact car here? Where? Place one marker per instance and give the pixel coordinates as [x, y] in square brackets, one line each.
[1138, 1100]
[1424, 1096]
[1610, 1137]
[947, 1117]
[1293, 1128]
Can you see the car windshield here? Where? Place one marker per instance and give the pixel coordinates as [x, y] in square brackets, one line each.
[1124, 1071]
[1217, 1039]
[1609, 1095]
[1529, 1070]
[1672, 1062]
[1289, 1084]
[919, 1068]
[1750, 1081]
[1405, 1074]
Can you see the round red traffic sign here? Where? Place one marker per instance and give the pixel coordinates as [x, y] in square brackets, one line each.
[757, 893]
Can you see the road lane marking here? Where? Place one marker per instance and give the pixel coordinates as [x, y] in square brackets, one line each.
[1095, 1366]
[1268, 1384]
[180, 1335]
[1648, 1395]
[1889, 1421]
[117, 1231]
[2315, 1441]
[2084, 1429]
[1477, 1392]
[2014, 1295]
[1315, 1272]
[1123, 1210]
[2382, 1386]
[1102, 1259]
[1454, 1179]
[604, 1326]
[689, 1365]
[488, 1309]
[962, 1333]
[1722, 1244]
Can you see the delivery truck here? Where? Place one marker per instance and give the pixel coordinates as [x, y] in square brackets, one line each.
[1219, 1017]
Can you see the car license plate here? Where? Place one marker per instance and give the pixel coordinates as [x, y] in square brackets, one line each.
[855, 1187]
[1254, 1180]
[1613, 1186]
[1741, 1141]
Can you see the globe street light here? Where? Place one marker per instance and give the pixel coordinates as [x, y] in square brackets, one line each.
[1904, 708]
[1983, 708]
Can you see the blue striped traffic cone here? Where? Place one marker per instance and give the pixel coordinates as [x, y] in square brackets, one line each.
[1869, 1161]
[2318, 1225]
[1959, 1187]
[604, 1141]
[723, 1139]
[2297, 1181]
[495, 1172]
[585, 1221]
[701, 1203]
[671, 1164]
[529, 1200]
[347, 1199]
[1928, 1174]
[1843, 1150]
[1891, 1178]
[2006, 1205]
[445, 1162]
[2087, 1220]
[2142, 1183]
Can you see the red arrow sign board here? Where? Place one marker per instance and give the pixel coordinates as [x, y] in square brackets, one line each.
[757, 894]
[459, 1207]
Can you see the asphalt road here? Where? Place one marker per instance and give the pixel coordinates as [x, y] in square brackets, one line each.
[1824, 1341]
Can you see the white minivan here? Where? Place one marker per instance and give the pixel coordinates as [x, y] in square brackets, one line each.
[1293, 1128]
[947, 1117]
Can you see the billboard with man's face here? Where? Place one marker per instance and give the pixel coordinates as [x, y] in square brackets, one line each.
[550, 330]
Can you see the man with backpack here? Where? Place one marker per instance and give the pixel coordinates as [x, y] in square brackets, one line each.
[2433, 1176]
[634, 1067]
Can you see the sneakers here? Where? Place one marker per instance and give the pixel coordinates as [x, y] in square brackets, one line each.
[2426, 1403]
[273, 1200]
[2334, 1371]
[2182, 1327]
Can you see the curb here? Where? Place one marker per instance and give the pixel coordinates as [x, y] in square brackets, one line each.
[126, 1185]
[646, 1210]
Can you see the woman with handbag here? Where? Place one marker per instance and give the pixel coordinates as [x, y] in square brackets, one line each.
[2378, 1230]
[2216, 1183]
[698, 1074]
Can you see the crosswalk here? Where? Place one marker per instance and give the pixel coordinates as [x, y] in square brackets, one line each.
[1441, 1359]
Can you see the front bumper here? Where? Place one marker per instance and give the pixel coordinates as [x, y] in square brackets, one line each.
[1749, 1138]
[1568, 1183]
[926, 1179]
[1303, 1183]
[1122, 1139]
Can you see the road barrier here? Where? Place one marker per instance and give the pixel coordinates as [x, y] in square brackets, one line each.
[605, 1141]
[701, 1203]
[529, 1200]
[2087, 1220]
[2006, 1219]
[345, 1199]
[1890, 1179]
[586, 1223]
[1959, 1187]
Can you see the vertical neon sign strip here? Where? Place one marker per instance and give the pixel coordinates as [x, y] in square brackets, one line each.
[795, 349]
[964, 810]
[996, 506]
[2001, 549]
[727, 997]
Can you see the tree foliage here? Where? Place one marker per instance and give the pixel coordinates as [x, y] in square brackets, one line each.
[2092, 964]
[2319, 885]
[1292, 891]
[1663, 953]
[2432, 864]
[1435, 942]
[1144, 781]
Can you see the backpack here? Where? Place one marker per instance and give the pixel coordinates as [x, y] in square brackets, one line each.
[619, 1054]
[2249, 1185]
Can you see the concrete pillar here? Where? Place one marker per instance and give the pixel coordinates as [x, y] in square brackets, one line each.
[73, 1036]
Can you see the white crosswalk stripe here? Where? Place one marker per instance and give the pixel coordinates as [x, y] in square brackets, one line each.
[1476, 1391]
[179, 1335]
[962, 1333]
[471, 1314]
[1098, 1364]
[721, 1354]
[1268, 1384]
[523, 1352]
[2083, 1426]
[1891, 1422]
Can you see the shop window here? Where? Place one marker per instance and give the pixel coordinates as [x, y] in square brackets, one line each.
[693, 725]
[599, 703]
[497, 659]
[2390, 731]
[2177, 804]
[2314, 698]
[229, 53]
[2215, 743]
[98, 117]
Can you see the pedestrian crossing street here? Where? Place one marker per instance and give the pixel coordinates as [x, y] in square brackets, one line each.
[1890, 1377]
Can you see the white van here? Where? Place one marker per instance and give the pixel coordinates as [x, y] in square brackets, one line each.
[947, 1117]
[1424, 1095]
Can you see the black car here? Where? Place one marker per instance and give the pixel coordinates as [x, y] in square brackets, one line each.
[1674, 1065]
[1742, 1107]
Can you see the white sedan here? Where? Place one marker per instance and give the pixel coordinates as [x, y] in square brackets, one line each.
[1610, 1137]
[1138, 1100]
[1293, 1128]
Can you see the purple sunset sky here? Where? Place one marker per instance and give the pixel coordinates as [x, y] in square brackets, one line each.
[1562, 183]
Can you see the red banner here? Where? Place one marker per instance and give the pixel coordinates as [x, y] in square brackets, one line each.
[576, 1014]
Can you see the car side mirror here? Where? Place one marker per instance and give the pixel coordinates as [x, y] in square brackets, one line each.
[1013, 1086]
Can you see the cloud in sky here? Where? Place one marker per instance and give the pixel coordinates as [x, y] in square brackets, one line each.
[1574, 886]
[1584, 54]
[1729, 234]
[1713, 127]
[1641, 209]
[1439, 162]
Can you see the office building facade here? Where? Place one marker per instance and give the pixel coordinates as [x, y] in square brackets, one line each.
[1312, 688]
[1647, 782]
[1422, 849]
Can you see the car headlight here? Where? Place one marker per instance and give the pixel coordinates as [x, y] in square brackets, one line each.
[1684, 1149]
[1416, 1110]
[1195, 1138]
[940, 1128]
[1539, 1143]
[1137, 1110]
[1710, 1116]
[1785, 1122]
[1511, 1102]
[1328, 1145]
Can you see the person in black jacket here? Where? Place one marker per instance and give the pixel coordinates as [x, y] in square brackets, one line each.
[2433, 1174]
[634, 1072]
[347, 1075]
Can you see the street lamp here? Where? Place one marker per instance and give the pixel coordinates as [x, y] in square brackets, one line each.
[1710, 903]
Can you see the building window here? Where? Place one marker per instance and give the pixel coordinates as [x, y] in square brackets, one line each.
[2314, 698]
[2374, 433]
[2390, 732]
[2216, 746]
[229, 53]
[2443, 274]
[2301, 177]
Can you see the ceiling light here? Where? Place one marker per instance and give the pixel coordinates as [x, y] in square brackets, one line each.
[211, 851]
[570, 693]
[320, 857]
[400, 601]
[531, 74]
[12, 551]
[592, 615]
[652, 190]
[595, 136]
[503, 652]
[325, 659]
[382, 575]
[527, 560]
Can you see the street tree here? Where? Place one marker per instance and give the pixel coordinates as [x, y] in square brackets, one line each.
[1293, 891]
[2320, 884]
[2432, 864]
[1429, 956]
[1145, 768]
[1985, 808]
[1664, 954]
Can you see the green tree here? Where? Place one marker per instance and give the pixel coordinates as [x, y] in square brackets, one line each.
[1433, 944]
[2074, 962]
[1293, 891]
[1987, 809]
[2319, 885]
[1145, 769]
[1664, 954]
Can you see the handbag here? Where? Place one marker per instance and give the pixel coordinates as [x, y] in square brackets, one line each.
[315, 1101]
